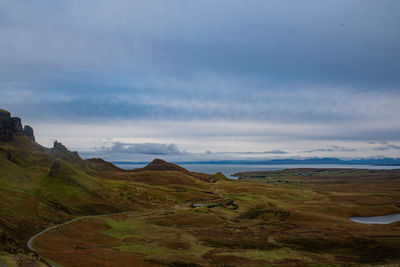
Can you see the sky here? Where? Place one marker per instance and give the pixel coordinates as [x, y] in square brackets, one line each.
[205, 79]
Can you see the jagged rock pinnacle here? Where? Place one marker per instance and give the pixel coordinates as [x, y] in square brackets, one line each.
[11, 126]
[29, 132]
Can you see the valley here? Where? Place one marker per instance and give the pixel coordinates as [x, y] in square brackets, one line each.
[92, 213]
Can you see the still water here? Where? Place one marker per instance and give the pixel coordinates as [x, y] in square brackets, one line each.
[384, 219]
[229, 169]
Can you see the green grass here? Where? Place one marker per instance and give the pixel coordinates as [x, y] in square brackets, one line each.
[156, 240]
[128, 228]
[240, 197]
[8, 260]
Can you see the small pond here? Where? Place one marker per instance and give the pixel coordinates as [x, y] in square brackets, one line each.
[384, 219]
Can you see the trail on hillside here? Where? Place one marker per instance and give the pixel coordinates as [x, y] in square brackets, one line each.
[29, 244]
[32, 239]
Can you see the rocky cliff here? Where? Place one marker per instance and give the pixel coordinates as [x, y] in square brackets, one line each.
[11, 126]
[29, 132]
[61, 151]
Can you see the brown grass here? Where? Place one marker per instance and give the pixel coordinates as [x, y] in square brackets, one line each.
[80, 244]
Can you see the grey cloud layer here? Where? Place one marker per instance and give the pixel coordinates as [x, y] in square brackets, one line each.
[331, 149]
[330, 41]
[386, 146]
[321, 64]
[144, 148]
[276, 152]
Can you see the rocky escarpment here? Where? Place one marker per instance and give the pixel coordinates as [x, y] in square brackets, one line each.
[61, 151]
[11, 126]
[29, 132]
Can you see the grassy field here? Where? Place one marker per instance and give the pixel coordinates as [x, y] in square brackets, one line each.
[301, 223]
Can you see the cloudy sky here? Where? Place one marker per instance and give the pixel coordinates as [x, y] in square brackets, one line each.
[205, 79]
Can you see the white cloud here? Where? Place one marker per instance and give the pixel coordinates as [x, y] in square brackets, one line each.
[142, 148]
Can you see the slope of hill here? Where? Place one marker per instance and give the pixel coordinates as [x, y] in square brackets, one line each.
[41, 186]
[162, 165]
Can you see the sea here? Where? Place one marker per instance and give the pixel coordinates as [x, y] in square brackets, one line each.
[229, 169]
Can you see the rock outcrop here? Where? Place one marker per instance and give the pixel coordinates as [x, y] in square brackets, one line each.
[11, 126]
[6, 133]
[29, 132]
[59, 147]
[62, 151]
[17, 126]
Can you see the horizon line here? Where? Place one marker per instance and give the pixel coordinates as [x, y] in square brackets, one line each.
[360, 161]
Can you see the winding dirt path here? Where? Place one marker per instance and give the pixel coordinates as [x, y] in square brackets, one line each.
[30, 241]
[29, 244]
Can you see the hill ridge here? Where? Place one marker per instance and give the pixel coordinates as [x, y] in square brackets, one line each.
[162, 165]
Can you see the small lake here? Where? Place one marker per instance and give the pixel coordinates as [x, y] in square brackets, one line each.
[384, 219]
[229, 169]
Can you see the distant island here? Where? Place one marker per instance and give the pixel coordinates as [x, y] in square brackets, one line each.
[380, 162]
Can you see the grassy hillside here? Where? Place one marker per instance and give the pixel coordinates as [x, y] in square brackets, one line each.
[40, 187]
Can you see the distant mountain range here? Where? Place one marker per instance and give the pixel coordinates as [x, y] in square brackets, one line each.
[381, 162]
